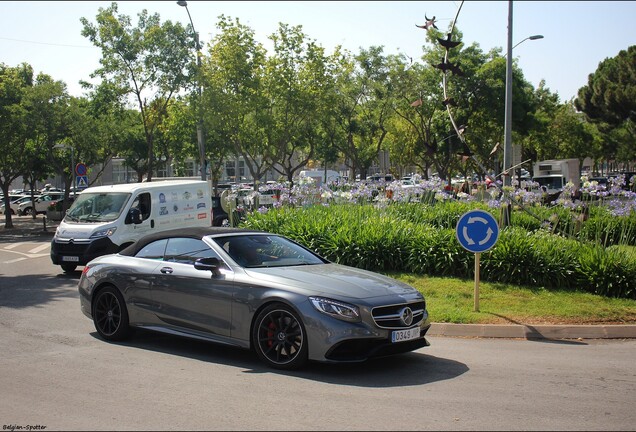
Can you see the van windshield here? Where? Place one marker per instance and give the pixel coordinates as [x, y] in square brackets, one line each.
[97, 207]
[550, 182]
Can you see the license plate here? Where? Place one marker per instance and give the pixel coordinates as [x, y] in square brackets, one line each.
[70, 258]
[405, 335]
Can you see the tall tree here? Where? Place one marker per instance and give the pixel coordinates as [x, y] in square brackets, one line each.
[234, 74]
[49, 107]
[14, 133]
[609, 100]
[294, 80]
[362, 106]
[148, 61]
[610, 93]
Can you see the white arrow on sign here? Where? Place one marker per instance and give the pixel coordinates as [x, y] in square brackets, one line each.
[474, 219]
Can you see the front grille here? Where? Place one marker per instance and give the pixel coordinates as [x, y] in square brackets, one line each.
[71, 248]
[390, 316]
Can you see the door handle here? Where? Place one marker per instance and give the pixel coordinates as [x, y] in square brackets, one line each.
[166, 270]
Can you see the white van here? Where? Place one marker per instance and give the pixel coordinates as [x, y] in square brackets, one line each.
[106, 219]
[320, 177]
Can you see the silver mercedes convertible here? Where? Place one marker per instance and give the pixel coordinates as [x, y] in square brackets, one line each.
[253, 290]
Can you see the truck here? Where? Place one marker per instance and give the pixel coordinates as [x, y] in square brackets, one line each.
[552, 175]
[321, 176]
[107, 219]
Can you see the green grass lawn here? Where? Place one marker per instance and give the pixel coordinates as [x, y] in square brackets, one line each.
[451, 300]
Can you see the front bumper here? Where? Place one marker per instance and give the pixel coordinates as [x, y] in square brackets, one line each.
[362, 349]
[83, 250]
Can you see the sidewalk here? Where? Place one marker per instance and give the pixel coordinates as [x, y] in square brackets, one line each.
[26, 228]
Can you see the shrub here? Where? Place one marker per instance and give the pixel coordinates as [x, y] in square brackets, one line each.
[420, 238]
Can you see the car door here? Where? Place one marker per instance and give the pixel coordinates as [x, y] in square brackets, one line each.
[190, 298]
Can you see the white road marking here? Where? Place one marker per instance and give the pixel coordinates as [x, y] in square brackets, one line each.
[13, 245]
[39, 248]
[14, 261]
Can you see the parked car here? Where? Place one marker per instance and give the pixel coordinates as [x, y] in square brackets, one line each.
[15, 202]
[253, 290]
[41, 203]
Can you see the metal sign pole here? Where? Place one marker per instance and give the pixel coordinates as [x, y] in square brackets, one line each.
[476, 295]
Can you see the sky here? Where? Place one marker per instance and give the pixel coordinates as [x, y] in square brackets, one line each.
[578, 35]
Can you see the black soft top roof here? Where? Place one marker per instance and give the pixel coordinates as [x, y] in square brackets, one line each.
[194, 232]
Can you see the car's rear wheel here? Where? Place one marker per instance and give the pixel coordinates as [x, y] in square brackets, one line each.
[28, 211]
[279, 337]
[110, 315]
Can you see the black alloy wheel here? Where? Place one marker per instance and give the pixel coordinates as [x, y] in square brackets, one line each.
[279, 338]
[110, 315]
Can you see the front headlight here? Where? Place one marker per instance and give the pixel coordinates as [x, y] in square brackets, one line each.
[336, 309]
[104, 233]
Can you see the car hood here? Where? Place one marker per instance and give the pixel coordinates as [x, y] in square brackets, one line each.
[334, 280]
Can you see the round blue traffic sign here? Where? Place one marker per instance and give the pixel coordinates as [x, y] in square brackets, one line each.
[477, 231]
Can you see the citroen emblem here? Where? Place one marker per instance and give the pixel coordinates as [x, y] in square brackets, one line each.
[406, 316]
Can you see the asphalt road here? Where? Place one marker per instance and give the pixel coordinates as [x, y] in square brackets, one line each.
[58, 374]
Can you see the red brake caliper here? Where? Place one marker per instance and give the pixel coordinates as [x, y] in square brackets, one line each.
[270, 334]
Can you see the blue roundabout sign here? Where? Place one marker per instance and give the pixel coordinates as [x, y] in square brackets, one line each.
[477, 231]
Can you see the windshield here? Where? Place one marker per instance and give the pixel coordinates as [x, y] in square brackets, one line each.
[550, 182]
[266, 251]
[97, 207]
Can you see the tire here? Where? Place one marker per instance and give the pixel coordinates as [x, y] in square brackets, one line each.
[68, 268]
[110, 315]
[27, 211]
[279, 338]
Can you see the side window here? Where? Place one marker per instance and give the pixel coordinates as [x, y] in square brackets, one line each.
[154, 250]
[142, 202]
[188, 250]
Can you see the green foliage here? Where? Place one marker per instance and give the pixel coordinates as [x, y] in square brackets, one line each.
[421, 239]
[147, 62]
[609, 272]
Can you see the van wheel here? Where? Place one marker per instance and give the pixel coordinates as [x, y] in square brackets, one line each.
[68, 268]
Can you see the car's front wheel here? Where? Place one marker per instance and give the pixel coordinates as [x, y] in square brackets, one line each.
[68, 268]
[279, 337]
[110, 314]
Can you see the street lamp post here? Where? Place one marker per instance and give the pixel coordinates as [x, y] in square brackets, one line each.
[200, 137]
[65, 147]
[533, 37]
[508, 117]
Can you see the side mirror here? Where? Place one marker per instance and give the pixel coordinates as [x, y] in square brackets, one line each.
[208, 264]
[133, 216]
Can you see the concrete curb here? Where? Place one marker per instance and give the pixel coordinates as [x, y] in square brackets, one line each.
[512, 331]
